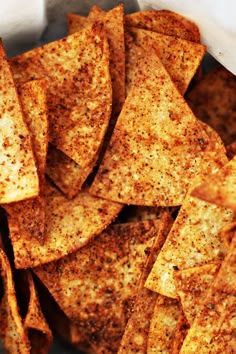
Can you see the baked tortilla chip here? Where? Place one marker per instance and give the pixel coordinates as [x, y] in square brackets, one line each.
[220, 187]
[214, 330]
[165, 22]
[31, 213]
[12, 332]
[157, 146]
[181, 58]
[96, 286]
[135, 337]
[18, 176]
[75, 23]
[66, 173]
[70, 224]
[227, 233]
[79, 90]
[194, 240]
[192, 286]
[213, 101]
[181, 331]
[163, 325]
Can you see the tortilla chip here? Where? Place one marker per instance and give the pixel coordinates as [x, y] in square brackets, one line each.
[157, 146]
[181, 58]
[75, 23]
[192, 286]
[194, 240]
[70, 224]
[18, 177]
[31, 213]
[213, 101]
[181, 331]
[165, 22]
[96, 285]
[227, 233]
[163, 325]
[220, 187]
[65, 173]
[78, 92]
[95, 14]
[231, 150]
[12, 332]
[135, 337]
[213, 330]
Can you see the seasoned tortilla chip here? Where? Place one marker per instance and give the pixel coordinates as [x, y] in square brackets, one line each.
[163, 325]
[157, 146]
[12, 332]
[194, 240]
[75, 22]
[166, 22]
[65, 173]
[227, 233]
[181, 58]
[181, 331]
[96, 285]
[70, 224]
[18, 176]
[213, 101]
[95, 14]
[214, 330]
[192, 286]
[135, 337]
[31, 213]
[78, 89]
[220, 187]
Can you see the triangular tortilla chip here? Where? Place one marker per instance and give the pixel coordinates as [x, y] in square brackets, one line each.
[166, 22]
[75, 22]
[192, 286]
[214, 330]
[18, 177]
[70, 224]
[213, 101]
[194, 240]
[65, 173]
[163, 325]
[157, 145]
[12, 331]
[220, 188]
[135, 337]
[95, 14]
[78, 89]
[181, 58]
[96, 285]
[31, 213]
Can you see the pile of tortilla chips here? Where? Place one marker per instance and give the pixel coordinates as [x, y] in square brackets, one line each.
[118, 190]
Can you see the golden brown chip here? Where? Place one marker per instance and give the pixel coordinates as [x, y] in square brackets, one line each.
[163, 325]
[95, 14]
[181, 331]
[220, 187]
[12, 332]
[135, 337]
[157, 146]
[166, 22]
[65, 173]
[18, 176]
[70, 224]
[96, 285]
[227, 233]
[30, 214]
[213, 101]
[75, 23]
[192, 286]
[181, 58]
[214, 330]
[79, 89]
[194, 240]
